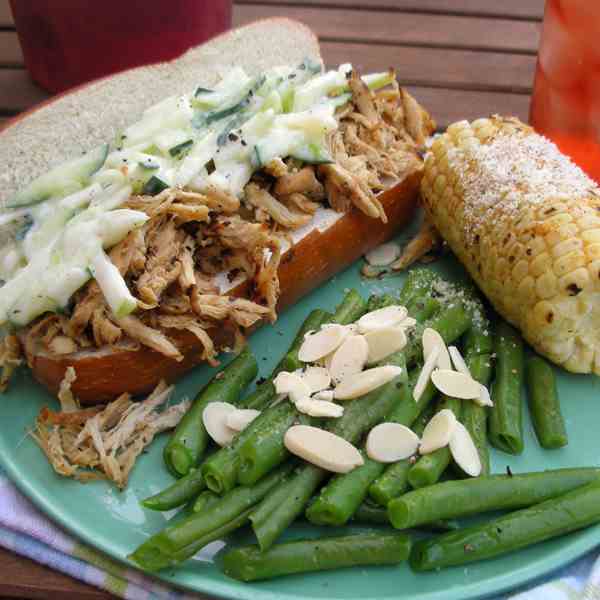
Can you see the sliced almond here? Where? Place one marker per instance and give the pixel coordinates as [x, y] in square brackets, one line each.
[382, 318]
[291, 384]
[322, 448]
[240, 418]
[350, 358]
[383, 255]
[458, 361]
[214, 418]
[389, 442]
[317, 378]
[464, 452]
[319, 408]
[425, 374]
[365, 382]
[326, 395]
[322, 343]
[438, 431]
[484, 397]
[384, 342]
[432, 339]
[407, 322]
[457, 385]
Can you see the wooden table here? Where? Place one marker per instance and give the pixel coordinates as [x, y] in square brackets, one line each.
[461, 58]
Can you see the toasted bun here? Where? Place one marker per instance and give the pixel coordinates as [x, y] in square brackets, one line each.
[81, 119]
[104, 374]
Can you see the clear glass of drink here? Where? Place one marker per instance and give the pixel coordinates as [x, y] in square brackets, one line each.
[565, 105]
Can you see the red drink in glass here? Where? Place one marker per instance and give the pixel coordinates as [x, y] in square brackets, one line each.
[67, 42]
[566, 97]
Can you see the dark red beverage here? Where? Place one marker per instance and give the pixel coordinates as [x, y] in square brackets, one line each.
[67, 42]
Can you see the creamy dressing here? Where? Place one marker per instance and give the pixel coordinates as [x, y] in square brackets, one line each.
[63, 221]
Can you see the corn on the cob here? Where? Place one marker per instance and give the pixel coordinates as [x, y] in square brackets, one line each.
[525, 222]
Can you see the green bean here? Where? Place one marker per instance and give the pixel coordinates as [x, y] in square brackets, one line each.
[221, 469]
[452, 499]
[429, 468]
[344, 493]
[574, 510]
[478, 339]
[418, 284]
[169, 545]
[204, 500]
[506, 418]
[189, 440]
[249, 563]
[422, 309]
[368, 512]
[264, 449]
[474, 417]
[544, 405]
[451, 322]
[178, 493]
[288, 499]
[377, 301]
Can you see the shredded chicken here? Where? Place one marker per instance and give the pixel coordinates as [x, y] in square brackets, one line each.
[173, 262]
[149, 337]
[68, 403]
[104, 442]
[261, 198]
[10, 359]
[426, 239]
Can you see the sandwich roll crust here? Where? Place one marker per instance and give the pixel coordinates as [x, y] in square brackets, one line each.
[103, 374]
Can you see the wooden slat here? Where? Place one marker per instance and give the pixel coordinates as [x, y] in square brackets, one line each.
[23, 578]
[18, 90]
[10, 49]
[516, 9]
[6, 18]
[405, 28]
[449, 106]
[440, 68]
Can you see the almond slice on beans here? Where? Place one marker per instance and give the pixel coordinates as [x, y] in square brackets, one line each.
[319, 408]
[464, 452]
[317, 378]
[432, 339]
[349, 358]
[362, 383]
[240, 418]
[322, 448]
[407, 322]
[383, 255]
[325, 395]
[438, 431]
[457, 385]
[484, 397]
[214, 418]
[425, 374]
[384, 342]
[291, 384]
[322, 343]
[389, 442]
[458, 361]
[382, 318]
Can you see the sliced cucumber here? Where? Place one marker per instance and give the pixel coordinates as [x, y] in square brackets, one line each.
[113, 286]
[63, 179]
[154, 186]
[314, 154]
[180, 150]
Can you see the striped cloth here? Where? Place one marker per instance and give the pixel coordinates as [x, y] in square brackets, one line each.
[26, 531]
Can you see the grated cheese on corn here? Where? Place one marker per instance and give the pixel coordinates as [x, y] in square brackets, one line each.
[525, 222]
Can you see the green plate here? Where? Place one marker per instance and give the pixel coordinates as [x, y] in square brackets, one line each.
[114, 522]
